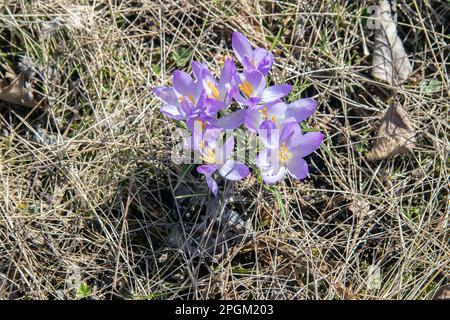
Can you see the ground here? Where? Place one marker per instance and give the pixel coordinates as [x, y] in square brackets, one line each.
[91, 205]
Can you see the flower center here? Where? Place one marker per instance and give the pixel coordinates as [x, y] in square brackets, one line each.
[265, 115]
[213, 89]
[246, 88]
[263, 112]
[283, 153]
[208, 155]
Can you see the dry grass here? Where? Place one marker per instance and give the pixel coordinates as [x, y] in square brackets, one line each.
[89, 194]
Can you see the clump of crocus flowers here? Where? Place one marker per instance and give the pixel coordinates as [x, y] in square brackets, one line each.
[204, 104]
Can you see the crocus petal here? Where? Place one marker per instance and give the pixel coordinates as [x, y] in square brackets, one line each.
[286, 122]
[233, 91]
[290, 134]
[233, 170]
[268, 125]
[253, 118]
[166, 94]
[228, 71]
[183, 83]
[247, 63]
[275, 92]
[263, 159]
[174, 112]
[307, 143]
[207, 169]
[267, 65]
[297, 168]
[252, 101]
[240, 99]
[273, 174]
[301, 109]
[264, 67]
[232, 120]
[198, 68]
[210, 85]
[199, 92]
[187, 107]
[241, 46]
[276, 111]
[213, 106]
[259, 54]
[227, 93]
[201, 120]
[199, 97]
[262, 60]
[212, 184]
[256, 80]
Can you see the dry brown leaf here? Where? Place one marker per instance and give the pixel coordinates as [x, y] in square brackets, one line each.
[390, 62]
[15, 91]
[395, 136]
[443, 293]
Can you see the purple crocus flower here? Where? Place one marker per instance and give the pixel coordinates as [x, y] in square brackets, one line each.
[276, 112]
[259, 59]
[253, 91]
[219, 94]
[180, 100]
[216, 158]
[186, 100]
[201, 104]
[287, 154]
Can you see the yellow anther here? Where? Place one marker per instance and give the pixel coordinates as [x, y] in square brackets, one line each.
[246, 88]
[283, 153]
[263, 112]
[213, 89]
[208, 156]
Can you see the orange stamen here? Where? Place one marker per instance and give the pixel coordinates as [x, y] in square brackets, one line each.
[246, 88]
